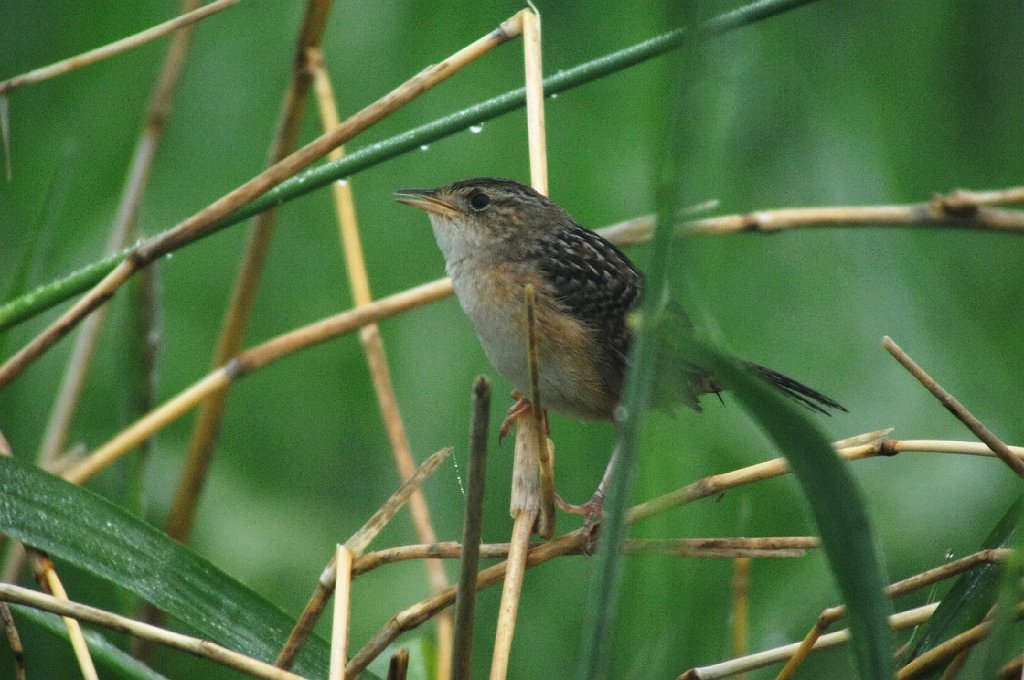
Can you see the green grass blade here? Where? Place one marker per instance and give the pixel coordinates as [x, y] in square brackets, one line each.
[835, 503]
[77, 526]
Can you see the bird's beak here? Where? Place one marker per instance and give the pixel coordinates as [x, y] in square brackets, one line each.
[427, 199]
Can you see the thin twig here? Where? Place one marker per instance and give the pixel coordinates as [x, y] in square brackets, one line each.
[728, 548]
[114, 48]
[202, 223]
[960, 209]
[355, 544]
[195, 646]
[955, 407]
[472, 527]
[362, 538]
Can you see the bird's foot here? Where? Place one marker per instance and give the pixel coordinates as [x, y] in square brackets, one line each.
[523, 408]
[592, 512]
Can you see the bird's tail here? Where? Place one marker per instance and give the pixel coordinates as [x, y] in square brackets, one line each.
[797, 391]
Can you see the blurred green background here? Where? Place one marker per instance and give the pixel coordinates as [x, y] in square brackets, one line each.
[835, 103]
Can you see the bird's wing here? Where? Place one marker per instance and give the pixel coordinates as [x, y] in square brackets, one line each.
[596, 283]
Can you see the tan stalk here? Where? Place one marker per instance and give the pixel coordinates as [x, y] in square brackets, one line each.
[50, 581]
[373, 347]
[236, 317]
[195, 646]
[718, 548]
[960, 209]
[339, 626]
[114, 48]
[956, 408]
[732, 667]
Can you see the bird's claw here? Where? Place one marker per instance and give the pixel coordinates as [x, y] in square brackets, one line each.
[521, 409]
[592, 512]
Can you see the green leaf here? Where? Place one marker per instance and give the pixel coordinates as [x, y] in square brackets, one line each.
[835, 502]
[76, 525]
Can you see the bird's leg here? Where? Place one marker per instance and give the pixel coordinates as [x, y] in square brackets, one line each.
[593, 509]
[521, 409]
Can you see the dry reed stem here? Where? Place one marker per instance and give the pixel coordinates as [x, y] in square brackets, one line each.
[719, 548]
[114, 48]
[195, 646]
[472, 527]
[376, 358]
[355, 544]
[538, 475]
[714, 484]
[121, 231]
[247, 362]
[726, 669]
[955, 407]
[362, 538]
[511, 592]
[536, 134]
[202, 222]
[243, 296]
[48, 579]
[339, 627]
[542, 471]
[960, 209]
[740, 605]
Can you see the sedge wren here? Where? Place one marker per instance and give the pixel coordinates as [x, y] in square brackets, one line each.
[497, 236]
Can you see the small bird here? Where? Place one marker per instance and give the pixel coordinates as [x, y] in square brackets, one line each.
[497, 236]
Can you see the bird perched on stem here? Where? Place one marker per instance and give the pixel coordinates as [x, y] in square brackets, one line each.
[497, 236]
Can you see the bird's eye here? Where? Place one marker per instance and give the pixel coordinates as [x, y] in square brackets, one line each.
[479, 200]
